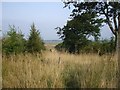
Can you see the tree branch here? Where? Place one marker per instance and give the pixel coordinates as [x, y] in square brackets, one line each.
[109, 22]
[115, 22]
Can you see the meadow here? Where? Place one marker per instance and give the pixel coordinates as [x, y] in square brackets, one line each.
[59, 70]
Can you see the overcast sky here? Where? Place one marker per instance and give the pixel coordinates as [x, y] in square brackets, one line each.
[45, 15]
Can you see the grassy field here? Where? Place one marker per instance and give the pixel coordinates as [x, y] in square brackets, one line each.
[59, 70]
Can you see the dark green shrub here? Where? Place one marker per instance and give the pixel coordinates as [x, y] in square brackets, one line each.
[35, 43]
[108, 46]
[100, 47]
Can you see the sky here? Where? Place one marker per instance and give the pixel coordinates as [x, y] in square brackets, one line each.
[46, 16]
[0, 16]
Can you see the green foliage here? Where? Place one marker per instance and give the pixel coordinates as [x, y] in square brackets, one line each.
[86, 22]
[110, 11]
[35, 43]
[14, 42]
[100, 47]
[75, 33]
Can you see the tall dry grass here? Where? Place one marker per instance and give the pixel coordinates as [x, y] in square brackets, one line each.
[59, 70]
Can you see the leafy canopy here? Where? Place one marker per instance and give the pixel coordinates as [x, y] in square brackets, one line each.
[86, 22]
[76, 32]
[109, 11]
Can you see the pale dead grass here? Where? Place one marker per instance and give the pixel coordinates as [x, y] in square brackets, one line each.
[58, 70]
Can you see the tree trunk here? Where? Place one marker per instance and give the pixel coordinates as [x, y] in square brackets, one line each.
[118, 50]
[116, 42]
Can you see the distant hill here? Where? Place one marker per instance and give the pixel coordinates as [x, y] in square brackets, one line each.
[52, 41]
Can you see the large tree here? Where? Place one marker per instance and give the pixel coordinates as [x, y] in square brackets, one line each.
[118, 48]
[76, 32]
[105, 10]
[109, 11]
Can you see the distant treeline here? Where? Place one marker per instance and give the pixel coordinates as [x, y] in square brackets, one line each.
[14, 42]
[52, 41]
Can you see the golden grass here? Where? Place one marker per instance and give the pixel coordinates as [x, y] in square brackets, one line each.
[59, 70]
